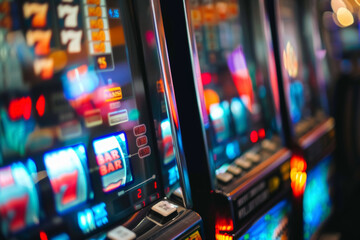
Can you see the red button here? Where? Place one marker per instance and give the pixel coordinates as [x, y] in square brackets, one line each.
[144, 152]
[139, 130]
[141, 141]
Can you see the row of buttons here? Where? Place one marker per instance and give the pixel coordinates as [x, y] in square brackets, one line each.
[245, 162]
[162, 208]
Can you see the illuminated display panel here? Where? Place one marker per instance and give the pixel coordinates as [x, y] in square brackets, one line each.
[317, 201]
[69, 177]
[19, 201]
[72, 100]
[272, 225]
[113, 160]
[236, 87]
[300, 81]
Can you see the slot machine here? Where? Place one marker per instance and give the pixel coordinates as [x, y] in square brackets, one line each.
[221, 54]
[87, 147]
[310, 129]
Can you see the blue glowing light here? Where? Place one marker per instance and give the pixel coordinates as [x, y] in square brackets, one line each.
[272, 225]
[68, 174]
[114, 13]
[173, 175]
[232, 150]
[62, 236]
[317, 202]
[239, 112]
[262, 91]
[92, 218]
[14, 134]
[220, 117]
[297, 101]
[79, 81]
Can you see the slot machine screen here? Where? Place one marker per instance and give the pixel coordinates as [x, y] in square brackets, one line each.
[317, 199]
[299, 75]
[272, 225]
[236, 89]
[76, 144]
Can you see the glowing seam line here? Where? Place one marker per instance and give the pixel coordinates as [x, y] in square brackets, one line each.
[131, 155]
[113, 99]
[123, 157]
[140, 184]
[113, 89]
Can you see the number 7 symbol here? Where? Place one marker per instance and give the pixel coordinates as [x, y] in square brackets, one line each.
[39, 11]
[73, 39]
[15, 212]
[69, 13]
[66, 186]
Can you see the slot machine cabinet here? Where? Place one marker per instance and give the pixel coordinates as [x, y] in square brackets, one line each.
[83, 154]
[310, 128]
[232, 137]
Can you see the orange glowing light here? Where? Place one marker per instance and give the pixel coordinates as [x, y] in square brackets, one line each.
[298, 186]
[113, 94]
[233, 9]
[344, 17]
[98, 36]
[222, 10]
[94, 11]
[211, 97]
[160, 86]
[96, 23]
[196, 17]
[291, 63]
[224, 224]
[298, 163]
[219, 236]
[96, 2]
[336, 4]
[59, 58]
[172, 106]
[209, 14]
[99, 48]
[298, 175]
[102, 63]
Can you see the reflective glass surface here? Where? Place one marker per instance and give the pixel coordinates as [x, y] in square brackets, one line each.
[77, 147]
[237, 85]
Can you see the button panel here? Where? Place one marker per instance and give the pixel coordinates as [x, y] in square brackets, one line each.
[234, 170]
[224, 177]
[121, 233]
[268, 145]
[164, 208]
[253, 157]
[243, 163]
